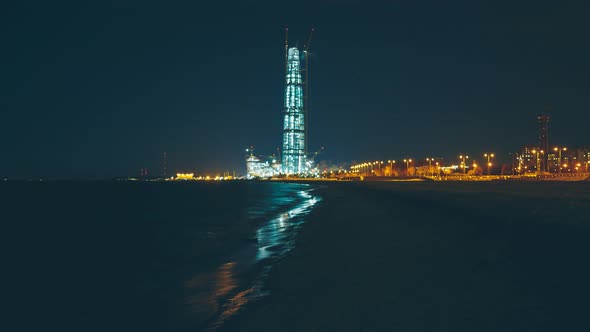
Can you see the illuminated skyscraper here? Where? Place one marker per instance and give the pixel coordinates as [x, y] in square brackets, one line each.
[293, 158]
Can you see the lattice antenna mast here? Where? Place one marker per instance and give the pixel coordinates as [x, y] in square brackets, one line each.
[543, 119]
[164, 164]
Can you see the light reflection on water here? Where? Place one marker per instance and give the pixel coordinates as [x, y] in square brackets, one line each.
[276, 237]
[209, 287]
[221, 293]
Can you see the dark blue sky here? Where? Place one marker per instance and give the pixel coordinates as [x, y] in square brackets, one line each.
[102, 90]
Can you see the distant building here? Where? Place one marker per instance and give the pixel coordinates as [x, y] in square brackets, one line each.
[185, 176]
[257, 168]
[553, 162]
[526, 160]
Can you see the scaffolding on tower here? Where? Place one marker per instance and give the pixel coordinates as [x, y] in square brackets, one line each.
[295, 111]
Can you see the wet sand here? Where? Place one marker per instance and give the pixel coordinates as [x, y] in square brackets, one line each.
[434, 257]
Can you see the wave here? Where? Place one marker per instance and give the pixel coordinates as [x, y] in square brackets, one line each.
[223, 292]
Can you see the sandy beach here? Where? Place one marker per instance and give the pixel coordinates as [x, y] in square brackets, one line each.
[434, 257]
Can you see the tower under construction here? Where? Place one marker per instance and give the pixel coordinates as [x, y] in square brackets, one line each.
[294, 130]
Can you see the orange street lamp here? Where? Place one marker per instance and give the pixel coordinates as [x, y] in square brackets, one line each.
[463, 163]
[559, 158]
[391, 162]
[437, 169]
[489, 155]
[536, 152]
[407, 161]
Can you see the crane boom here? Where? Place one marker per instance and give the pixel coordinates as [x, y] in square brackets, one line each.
[306, 47]
[306, 93]
[316, 153]
[286, 46]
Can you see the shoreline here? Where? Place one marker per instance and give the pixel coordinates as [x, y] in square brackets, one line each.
[581, 177]
[245, 271]
[424, 257]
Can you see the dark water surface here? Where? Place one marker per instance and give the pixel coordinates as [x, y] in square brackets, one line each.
[139, 256]
[256, 256]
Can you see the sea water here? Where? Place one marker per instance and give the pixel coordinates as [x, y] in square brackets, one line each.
[148, 256]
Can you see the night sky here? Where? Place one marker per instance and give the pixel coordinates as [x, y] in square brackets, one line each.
[102, 90]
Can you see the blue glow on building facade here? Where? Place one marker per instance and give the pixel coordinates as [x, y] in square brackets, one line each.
[293, 157]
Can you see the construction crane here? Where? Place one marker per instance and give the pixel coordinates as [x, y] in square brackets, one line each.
[251, 150]
[272, 157]
[312, 157]
[306, 94]
[286, 48]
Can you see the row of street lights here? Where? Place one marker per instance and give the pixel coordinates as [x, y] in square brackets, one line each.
[487, 155]
[364, 168]
[557, 149]
[368, 168]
